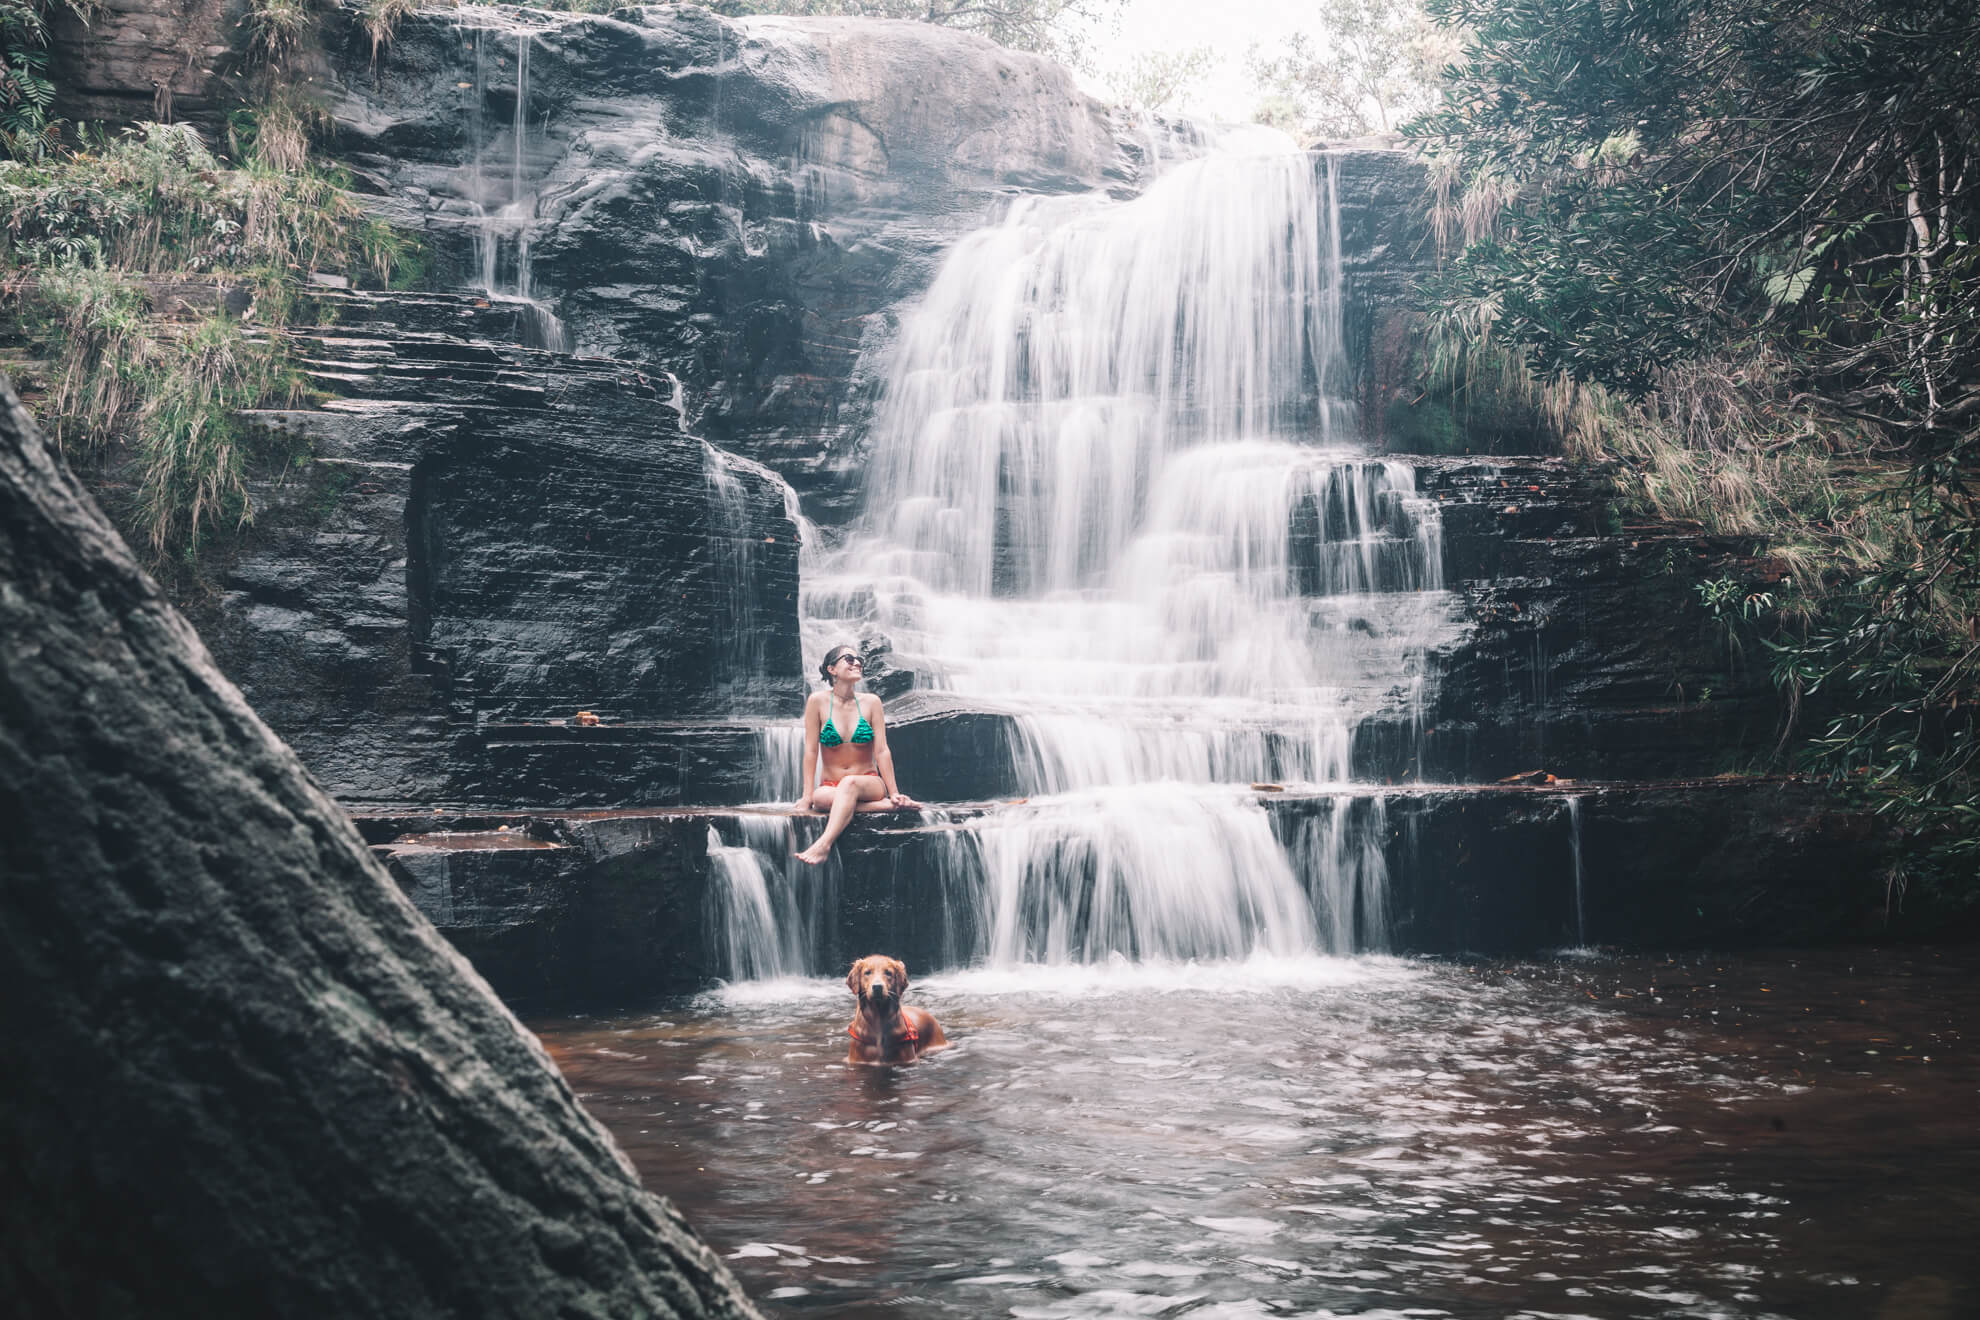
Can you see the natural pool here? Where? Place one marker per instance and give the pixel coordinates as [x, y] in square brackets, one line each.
[1766, 1135]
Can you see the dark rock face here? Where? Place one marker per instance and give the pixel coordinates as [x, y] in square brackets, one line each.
[624, 908]
[239, 1073]
[484, 539]
[948, 752]
[1383, 201]
[633, 924]
[1586, 654]
[1679, 865]
[743, 203]
[165, 60]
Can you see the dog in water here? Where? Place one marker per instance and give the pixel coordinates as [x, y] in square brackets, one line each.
[884, 1030]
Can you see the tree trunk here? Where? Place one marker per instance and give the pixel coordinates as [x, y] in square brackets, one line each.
[239, 1074]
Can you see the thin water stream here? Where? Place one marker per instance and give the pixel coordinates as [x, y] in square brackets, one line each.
[505, 201]
[1774, 1135]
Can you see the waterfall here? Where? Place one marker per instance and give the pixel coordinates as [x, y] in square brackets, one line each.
[504, 229]
[1340, 855]
[1115, 494]
[1075, 879]
[736, 558]
[1574, 847]
[766, 911]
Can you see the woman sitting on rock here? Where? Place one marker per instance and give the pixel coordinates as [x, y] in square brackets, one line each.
[849, 729]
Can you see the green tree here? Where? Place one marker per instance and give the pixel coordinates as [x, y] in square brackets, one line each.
[1690, 187]
[1160, 80]
[1373, 65]
[1049, 27]
[26, 93]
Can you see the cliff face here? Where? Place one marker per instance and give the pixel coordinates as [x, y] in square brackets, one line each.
[583, 909]
[486, 534]
[484, 539]
[740, 203]
[146, 59]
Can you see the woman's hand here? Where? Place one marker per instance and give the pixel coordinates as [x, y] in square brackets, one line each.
[802, 804]
[901, 801]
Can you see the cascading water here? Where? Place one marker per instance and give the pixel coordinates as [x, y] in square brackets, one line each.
[1574, 846]
[738, 562]
[767, 917]
[505, 211]
[1114, 495]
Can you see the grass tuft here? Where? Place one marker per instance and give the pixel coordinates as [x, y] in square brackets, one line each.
[91, 238]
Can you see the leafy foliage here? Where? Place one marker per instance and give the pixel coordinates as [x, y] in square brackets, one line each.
[87, 236]
[1709, 171]
[1737, 236]
[26, 94]
[1049, 27]
[156, 199]
[1159, 80]
[1372, 66]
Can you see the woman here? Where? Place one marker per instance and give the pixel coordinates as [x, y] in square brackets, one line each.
[849, 729]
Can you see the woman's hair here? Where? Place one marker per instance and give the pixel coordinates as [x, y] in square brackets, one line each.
[832, 657]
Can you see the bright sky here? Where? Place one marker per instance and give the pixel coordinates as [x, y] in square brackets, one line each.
[1228, 27]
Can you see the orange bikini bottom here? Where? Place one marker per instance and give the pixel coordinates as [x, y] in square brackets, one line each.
[833, 783]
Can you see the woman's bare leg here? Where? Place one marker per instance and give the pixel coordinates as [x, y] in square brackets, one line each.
[850, 793]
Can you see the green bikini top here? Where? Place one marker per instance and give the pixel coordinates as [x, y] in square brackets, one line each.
[829, 735]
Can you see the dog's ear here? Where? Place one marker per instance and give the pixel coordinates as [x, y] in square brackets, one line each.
[897, 976]
[852, 975]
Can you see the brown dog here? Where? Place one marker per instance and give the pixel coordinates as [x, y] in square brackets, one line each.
[884, 1030]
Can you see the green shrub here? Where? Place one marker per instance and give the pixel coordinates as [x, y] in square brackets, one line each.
[87, 235]
[26, 93]
[191, 452]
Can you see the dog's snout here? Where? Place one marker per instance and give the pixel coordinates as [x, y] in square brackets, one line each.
[879, 989]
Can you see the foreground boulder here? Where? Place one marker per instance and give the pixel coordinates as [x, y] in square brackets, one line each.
[242, 1076]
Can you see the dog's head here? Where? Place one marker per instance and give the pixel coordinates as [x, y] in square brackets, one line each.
[878, 982]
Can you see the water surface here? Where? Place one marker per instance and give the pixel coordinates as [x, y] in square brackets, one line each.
[1775, 1135]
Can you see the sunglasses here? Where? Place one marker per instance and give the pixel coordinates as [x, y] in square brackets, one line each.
[850, 659]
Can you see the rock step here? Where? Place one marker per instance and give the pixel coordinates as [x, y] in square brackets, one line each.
[459, 315]
[627, 908]
[1603, 726]
[409, 387]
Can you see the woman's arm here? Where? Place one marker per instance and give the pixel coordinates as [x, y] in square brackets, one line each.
[812, 724]
[883, 757]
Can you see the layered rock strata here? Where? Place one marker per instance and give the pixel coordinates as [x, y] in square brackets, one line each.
[126, 60]
[743, 203]
[479, 540]
[725, 219]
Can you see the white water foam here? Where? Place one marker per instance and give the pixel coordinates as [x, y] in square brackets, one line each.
[765, 907]
[1114, 976]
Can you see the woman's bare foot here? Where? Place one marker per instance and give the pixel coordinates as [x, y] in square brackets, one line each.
[815, 854]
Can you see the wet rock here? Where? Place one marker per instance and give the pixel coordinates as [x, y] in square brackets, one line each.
[242, 1075]
[744, 203]
[1582, 649]
[1383, 197]
[629, 909]
[947, 751]
[129, 60]
[480, 539]
[1726, 863]
[611, 912]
